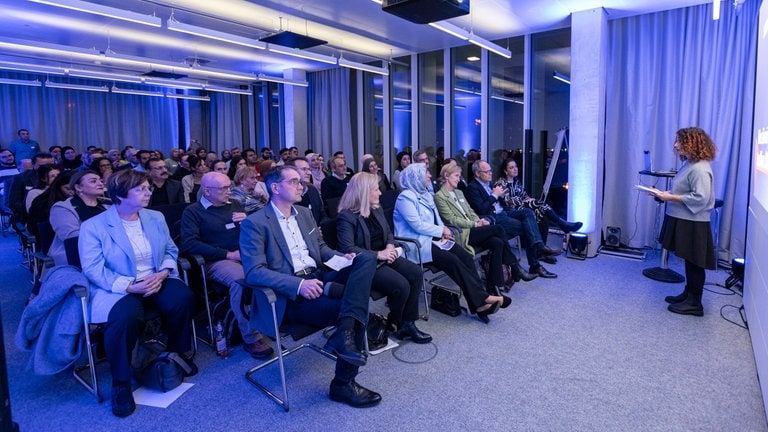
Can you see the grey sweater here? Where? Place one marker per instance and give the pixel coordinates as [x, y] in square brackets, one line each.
[694, 183]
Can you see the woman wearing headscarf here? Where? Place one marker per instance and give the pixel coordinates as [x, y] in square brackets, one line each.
[417, 217]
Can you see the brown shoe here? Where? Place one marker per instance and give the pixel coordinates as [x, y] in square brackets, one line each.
[259, 349]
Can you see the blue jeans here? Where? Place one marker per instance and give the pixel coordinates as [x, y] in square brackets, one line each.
[523, 223]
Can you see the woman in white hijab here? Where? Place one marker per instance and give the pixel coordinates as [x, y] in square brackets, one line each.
[416, 217]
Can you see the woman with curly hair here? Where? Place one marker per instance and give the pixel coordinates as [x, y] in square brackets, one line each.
[686, 229]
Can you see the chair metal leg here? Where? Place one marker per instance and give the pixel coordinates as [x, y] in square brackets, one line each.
[93, 385]
[282, 399]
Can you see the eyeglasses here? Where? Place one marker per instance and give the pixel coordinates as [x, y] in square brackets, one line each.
[488, 171]
[293, 182]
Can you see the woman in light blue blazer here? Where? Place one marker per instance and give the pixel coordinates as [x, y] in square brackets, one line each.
[129, 258]
[416, 217]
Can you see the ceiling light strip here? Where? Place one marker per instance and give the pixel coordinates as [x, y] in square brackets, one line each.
[106, 11]
[104, 76]
[462, 34]
[451, 29]
[281, 80]
[213, 34]
[231, 90]
[51, 84]
[188, 97]
[184, 85]
[28, 83]
[363, 67]
[23, 67]
[115, 89]
[302, 54]
[560, 77]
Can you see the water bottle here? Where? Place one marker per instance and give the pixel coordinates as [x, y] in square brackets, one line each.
[221, 341]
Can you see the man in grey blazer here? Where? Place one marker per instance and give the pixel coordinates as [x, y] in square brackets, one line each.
[281, 248]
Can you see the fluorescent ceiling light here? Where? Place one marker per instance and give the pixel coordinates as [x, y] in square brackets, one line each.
[363, 67]
[451, 29]
[23, 67]
[115, 89]
[213, 34]
[508, 99]
[280, 80]
[51, 84]
[490, 46]
[190, 97]
[302, 54]
[560, 77]
[173, 84]
[104, 75]
[106, 11]
[233, 90]
[34, 83]
[473, 58]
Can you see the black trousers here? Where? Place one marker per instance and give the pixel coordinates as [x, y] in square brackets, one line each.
[175, 303]
[494, 239]
[458, 264]
[401, 283]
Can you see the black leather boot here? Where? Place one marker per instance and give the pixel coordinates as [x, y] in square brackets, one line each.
[691, 305]
[678, 298]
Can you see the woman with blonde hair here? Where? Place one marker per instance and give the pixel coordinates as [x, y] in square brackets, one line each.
[363, 228]
[248, 190]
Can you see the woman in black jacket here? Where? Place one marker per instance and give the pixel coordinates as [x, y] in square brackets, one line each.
[362, 228]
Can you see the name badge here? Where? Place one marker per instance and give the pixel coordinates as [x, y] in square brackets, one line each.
[230, 226]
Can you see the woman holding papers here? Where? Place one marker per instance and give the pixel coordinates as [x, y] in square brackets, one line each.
[362, 227]
[686, 229]
[416, 217]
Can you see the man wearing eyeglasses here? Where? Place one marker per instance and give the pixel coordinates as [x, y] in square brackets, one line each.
[211, 228]
[311, 196]
[484, 200]
[282, 249]
[164, 189]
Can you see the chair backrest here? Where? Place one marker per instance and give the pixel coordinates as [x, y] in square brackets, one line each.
[332, 207]
[387, 201]
[73, 255]
[171, 213]
[45, 235]
[329, 227]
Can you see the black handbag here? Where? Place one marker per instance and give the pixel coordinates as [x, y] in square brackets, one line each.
[378, 334]
[445, 301]
[156, 369]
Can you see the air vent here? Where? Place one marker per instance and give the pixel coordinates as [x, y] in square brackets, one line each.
[293, 40]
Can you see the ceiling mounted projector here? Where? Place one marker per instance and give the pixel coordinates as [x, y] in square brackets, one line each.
[426, 11]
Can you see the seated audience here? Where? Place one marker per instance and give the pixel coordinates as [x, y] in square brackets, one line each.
[18, 185]
[103, 166]
[40, 210]
[370, 166]
[165, 190]
[310, 198]
[46, 174]
[485, 201]
[515, 197]
[335, 184]
[211, 228]
[67, 216]
[235, 164]
[191, 183]
[316, 165]
[416, 217]
[130, 261]
[248, 190]
[286, 253]
[474, 231]
[363, 228]
[403, 160]
[70, 159]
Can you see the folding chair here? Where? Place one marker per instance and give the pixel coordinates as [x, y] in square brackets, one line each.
[265, 298]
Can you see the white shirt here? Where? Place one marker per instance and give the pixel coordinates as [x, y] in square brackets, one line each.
[300, 257]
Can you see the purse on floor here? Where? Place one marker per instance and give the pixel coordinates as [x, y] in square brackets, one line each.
[445, 301]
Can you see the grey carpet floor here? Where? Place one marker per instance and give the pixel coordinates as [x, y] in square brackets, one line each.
[594, 349]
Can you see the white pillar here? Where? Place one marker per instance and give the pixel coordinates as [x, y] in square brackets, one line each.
[295, 111]
[589, 48]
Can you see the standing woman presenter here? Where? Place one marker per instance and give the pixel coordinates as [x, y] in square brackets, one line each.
[686, 230]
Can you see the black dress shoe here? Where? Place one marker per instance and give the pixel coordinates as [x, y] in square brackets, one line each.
[506, 302]
[541, 271]
[353, 394]
[342, 343]
[123, 404]
[548, 259]
[567, 227]
[524, 275]
[545, 250]
[409, 331]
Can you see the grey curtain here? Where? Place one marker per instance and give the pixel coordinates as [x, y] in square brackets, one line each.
[226, 121]
[81, 118]
[330, 117]
[670, 70]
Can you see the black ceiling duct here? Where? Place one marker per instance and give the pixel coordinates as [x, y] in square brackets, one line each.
[293, 40]
[166, 75]
[426, 11]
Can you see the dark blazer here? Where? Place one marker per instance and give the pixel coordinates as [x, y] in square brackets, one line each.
[314, 203]
[481, 201]
[267, 260]
[353, 231]
[174, 190]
